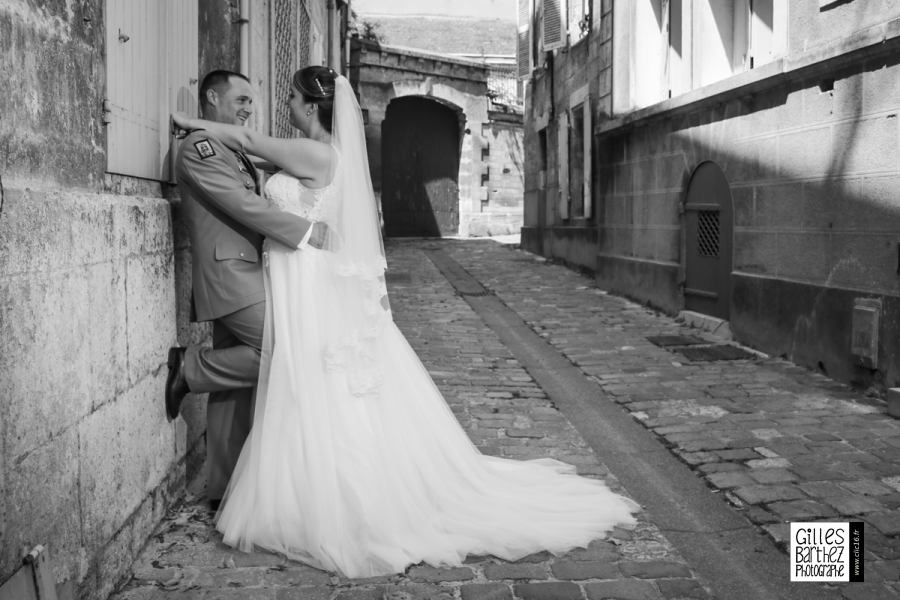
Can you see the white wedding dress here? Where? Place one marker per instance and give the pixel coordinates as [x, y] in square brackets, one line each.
[356, 464]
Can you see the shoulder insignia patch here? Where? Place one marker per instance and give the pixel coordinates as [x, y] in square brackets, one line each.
[204, 149]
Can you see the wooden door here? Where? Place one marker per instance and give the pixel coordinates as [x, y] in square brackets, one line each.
[420, 168]
[708, 242]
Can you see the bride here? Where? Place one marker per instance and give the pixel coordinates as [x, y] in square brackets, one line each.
[355, 463]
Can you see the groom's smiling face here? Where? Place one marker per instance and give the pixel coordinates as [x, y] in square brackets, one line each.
[233, 103]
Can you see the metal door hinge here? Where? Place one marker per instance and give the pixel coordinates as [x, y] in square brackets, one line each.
[106, 109]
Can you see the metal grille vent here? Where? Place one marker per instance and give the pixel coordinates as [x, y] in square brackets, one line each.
[284, 41]
[304, 34]
[708, 233]
[291, 27]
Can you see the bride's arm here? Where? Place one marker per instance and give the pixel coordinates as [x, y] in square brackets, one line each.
[263, 165]
[303, 158]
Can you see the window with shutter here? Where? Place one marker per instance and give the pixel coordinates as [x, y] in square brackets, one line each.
[181, 77]
[768, 38]
[579, 155]
[554, 24]
[151, 71]
[523, 41]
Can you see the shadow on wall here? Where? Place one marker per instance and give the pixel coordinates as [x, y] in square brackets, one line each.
[814, 182]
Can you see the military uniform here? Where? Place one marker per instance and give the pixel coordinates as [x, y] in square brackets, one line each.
[227, 221]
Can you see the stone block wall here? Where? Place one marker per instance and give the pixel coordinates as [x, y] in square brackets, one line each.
[502, 175]
[87, 313]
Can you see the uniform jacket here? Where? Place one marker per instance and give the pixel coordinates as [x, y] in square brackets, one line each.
[227, 221]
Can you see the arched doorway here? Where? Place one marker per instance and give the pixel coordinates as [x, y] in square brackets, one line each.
[420, 145]
[708, 242]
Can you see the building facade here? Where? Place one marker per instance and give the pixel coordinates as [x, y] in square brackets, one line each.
[94, 258]
[730, 159]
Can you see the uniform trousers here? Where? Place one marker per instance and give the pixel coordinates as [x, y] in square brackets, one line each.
[229, 372]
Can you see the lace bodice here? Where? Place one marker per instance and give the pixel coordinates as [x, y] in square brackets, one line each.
[287, 193]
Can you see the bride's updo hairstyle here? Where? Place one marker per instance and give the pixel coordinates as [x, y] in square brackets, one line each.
[317, 86]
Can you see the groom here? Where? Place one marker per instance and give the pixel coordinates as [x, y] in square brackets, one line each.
[227, 221]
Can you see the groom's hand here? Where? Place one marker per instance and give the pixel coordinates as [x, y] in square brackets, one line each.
[319, 235]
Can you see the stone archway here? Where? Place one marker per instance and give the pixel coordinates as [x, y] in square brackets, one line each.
[420, 158]
[383, 75]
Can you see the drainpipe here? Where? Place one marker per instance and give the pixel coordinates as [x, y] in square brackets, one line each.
[330, 35]
[244, 22]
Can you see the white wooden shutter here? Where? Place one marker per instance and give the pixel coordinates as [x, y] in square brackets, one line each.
[554, 24]
[182, 82]
[523, 40]
[151, 70]
[562, 153]
[133, 100]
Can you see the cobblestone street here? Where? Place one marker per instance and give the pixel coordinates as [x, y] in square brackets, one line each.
[768, 443]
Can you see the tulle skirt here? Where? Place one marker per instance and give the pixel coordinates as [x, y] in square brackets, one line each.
[367, 484]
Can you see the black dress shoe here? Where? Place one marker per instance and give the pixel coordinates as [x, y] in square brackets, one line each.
[176, 385]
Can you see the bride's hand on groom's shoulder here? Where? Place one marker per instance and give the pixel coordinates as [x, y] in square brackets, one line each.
[180, 124]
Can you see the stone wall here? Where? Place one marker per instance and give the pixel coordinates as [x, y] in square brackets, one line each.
[501, 194]
[87, 312]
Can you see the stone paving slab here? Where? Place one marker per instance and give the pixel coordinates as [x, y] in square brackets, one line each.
[506, 414]
[780, 442]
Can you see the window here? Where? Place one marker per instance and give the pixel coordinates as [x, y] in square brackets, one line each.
[576, 161]
[574, 149]
[151, 71]
[546, 25]
[680, 45]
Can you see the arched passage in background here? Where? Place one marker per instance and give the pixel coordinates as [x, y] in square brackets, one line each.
[708, 242]
[420, 153]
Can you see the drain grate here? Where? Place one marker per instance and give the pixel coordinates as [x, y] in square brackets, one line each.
[664, 341]
[697, 349]
[717, 352]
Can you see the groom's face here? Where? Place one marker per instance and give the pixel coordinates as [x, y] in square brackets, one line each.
[232, 102]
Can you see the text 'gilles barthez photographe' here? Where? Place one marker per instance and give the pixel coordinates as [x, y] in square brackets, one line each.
[827, 551]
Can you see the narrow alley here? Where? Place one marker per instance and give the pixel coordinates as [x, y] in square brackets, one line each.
[536, 361]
